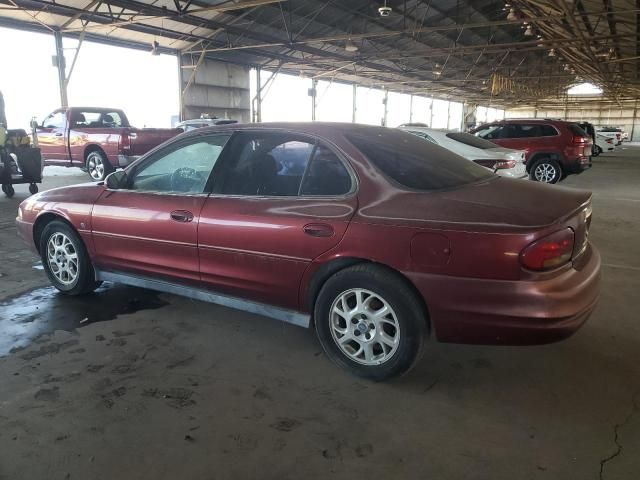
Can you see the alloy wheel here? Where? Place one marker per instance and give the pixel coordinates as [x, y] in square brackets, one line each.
[95, 166]
[545, 172]
[364, 326]
[62, 258]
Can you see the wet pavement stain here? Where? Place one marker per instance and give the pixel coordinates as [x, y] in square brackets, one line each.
[26, 317]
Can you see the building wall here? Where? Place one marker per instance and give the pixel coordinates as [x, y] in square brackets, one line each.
[217, 89]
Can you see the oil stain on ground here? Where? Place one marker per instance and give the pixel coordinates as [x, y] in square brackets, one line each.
[25, 317]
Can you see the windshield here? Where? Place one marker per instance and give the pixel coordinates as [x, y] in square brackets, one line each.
[417, 164]
[471, 140]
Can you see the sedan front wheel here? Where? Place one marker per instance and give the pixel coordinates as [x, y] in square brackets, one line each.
[370, 322]
[65, 259]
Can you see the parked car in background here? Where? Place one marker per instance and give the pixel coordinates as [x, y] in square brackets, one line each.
[554, 148]
[503, 161]
[612, 132]
[188, 125]
[96, 139]
[603, 144]
[372, 235]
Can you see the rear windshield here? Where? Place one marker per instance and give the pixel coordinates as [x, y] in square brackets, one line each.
[471, 140]
[416, 164]
[577, 130]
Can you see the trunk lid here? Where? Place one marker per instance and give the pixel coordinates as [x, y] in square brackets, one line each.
[498, 205]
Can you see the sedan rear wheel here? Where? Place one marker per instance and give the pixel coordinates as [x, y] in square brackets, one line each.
[370, 322]
[546, 170]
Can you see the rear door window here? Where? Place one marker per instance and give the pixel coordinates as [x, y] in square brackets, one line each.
[490, 132]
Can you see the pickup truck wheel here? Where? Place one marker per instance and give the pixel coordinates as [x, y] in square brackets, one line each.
[546, 170]
[369, 322]
[98, 166]
[66, 260]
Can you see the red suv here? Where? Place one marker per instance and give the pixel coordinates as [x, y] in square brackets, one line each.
[555, 148]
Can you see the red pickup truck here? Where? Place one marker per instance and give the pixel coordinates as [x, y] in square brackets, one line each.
[96, 139]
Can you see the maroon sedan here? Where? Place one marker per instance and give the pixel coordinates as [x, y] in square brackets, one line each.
[375, 236]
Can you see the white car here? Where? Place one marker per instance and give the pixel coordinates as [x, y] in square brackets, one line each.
[505, 162]
[614, 133]
[603, 144]
[189, 125]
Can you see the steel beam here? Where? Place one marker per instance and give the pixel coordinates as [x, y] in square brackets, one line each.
[60, 64]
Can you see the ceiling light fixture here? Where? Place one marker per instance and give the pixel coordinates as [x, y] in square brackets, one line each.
[350, 46]
[512, 14]
[552, 53]
[529, 31]
[154, 48]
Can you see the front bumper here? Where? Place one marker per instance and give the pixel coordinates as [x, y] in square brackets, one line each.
[25, 232]
[521, 312]
[124, 160]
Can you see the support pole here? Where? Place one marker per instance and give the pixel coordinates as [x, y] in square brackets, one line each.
[411, 109]
[180, 82]
[431, 114]
[314, 95]
[386, 110]
[354, 104]
[60, 63]
[258, 110]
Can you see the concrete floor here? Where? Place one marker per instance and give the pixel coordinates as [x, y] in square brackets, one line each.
[154, 386]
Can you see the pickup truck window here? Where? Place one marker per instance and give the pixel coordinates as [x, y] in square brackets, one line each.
[55, 120]
[95, 119]
[182, 169]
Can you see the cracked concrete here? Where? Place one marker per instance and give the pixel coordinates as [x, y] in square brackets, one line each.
[635, 406]
[157, 386]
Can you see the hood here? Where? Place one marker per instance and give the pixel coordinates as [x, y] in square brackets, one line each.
[500, 204]
[80, 193]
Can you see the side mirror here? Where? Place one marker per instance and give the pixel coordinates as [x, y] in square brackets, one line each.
[116, 180]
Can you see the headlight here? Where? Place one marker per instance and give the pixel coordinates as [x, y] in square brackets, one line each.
[20, 213]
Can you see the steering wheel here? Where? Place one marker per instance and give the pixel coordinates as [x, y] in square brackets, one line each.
[183, 179]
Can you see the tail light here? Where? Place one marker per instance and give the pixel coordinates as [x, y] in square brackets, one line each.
[125, 141]
[579, 140]
[501, 164]
[496, 164]
[549, 252]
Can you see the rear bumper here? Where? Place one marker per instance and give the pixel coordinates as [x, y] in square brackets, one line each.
[495, 312]
[579, 165]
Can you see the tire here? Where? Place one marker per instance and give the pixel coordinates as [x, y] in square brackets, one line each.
[363, 351]
[98, 166]
[597, 151]
[59, 245]
[33, 189]
[8, 190]
[546, 170]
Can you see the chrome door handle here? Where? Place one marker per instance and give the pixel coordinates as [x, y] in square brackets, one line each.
[58, 134]
[318, 230]
[183, 216]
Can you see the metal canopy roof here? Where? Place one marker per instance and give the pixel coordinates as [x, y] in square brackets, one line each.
[509, 53]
